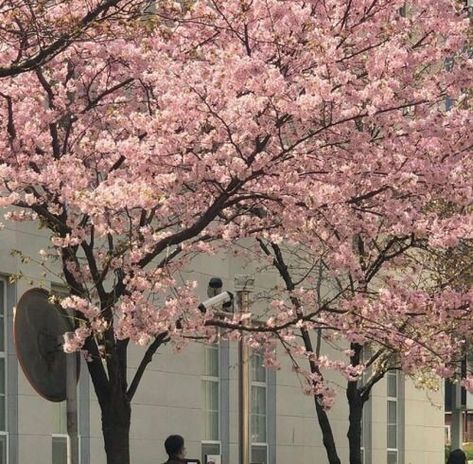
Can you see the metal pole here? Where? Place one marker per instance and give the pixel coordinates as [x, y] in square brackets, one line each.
[456, 429]
[244, 389]
[71, 408]
[243, 285]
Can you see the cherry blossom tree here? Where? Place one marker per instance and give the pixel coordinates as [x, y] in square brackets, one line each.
[319, 123]
[395, 317]
[34, 32]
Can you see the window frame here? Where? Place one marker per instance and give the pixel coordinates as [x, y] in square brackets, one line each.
[259, 384]
[68, 445]
[392, 400]
[215, 380]
[4, 356]
[259, 445]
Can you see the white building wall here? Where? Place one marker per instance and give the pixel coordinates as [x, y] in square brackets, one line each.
[424, 430]
[168, 401]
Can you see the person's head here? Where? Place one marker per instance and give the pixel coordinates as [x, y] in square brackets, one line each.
[456, 456]
[174, 445]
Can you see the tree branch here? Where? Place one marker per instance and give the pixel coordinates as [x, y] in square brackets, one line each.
[60, 44]
[147, 358]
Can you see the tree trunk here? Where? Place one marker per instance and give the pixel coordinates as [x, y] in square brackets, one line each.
[116, 419]
[354, 429]
[327, 434]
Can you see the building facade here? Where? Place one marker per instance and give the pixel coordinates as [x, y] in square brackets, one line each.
[194, 393]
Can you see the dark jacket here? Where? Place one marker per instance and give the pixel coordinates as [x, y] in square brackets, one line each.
[181, 461]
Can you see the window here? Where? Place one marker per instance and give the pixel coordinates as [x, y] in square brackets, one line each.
[60, 445]
[392, 418]
[447, 434]
[258, 426]
[60, 439]
[211, 402]
[3, 379]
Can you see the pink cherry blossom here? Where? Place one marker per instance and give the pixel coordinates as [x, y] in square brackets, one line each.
[316, 131]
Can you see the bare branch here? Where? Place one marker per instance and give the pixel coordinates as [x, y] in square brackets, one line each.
[147, 358]
[43, 55]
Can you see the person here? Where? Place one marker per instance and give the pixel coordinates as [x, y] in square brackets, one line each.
[174, 445]
[457, 456]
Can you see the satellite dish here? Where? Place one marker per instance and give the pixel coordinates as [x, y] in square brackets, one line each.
[39, 328]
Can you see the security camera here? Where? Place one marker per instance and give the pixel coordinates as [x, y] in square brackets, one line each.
[224, 299]
[215, 286]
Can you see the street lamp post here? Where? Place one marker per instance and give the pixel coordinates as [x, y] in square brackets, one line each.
[243, 286]
[71, 406]
[456, 428]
